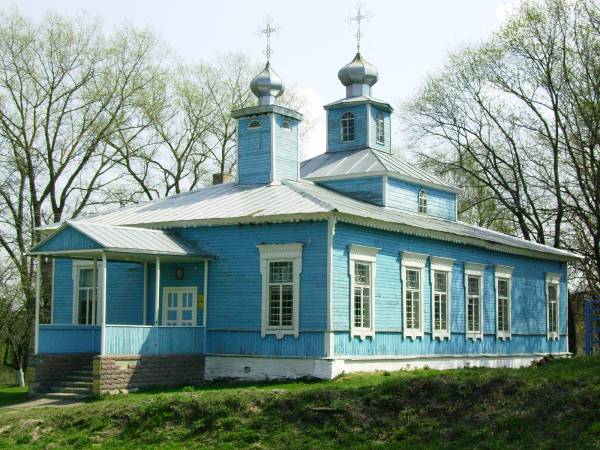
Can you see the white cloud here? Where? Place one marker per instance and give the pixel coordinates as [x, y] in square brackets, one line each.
[313, 128]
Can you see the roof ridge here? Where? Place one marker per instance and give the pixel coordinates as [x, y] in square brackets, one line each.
[311, 197]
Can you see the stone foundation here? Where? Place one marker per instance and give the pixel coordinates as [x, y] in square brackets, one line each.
[121, 374]
[47, 370]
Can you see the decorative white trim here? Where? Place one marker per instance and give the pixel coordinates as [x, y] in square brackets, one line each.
[280, 252]
[477, 270]
[385, 190]
[52, 291]
[180, 289]
[75, 266]
[369, 125]
[439, 264]
[329, 335]
[552, 279]
[411, 261]
[364, 254]
[504, 272]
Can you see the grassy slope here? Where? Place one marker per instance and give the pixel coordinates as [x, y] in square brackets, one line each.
[556, 405]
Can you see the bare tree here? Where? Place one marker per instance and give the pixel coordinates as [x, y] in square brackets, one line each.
[64, 89]
[520, 116]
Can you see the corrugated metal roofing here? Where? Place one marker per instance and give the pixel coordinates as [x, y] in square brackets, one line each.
[134, 240]
[230, 203]
[359, 100]
[367, 161]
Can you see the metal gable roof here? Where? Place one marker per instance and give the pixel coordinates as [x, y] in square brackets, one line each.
[345, 164]
[122, 239]
[291, 200]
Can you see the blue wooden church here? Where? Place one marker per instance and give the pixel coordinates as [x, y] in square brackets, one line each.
[351, 261]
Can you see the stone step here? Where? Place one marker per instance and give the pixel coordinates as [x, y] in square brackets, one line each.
[80, 373]
[77, 378]
[69, 383]
[66, 396]
[72, 390]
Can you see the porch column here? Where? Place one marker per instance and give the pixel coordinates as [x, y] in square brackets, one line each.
[38, 281]
[157, 291]
[103, 309]
[205, 292]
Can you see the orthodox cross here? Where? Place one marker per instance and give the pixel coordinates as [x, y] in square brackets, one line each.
[269, 29]
[359, 18]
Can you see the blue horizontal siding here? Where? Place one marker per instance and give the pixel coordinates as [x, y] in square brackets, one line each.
[387, 127]
[393, 344]
[68, 239]
[62, 301]
[308, 344]
[254, 151]
[69, 339]
[528, 280]
[404, 195]
[132, 340]
[368, 189]
[334, 132]
[286, 148]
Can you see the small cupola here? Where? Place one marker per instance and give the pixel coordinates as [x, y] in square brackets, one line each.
[358, 76]
[267, 86]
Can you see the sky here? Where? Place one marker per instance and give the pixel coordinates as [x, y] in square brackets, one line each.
[405, 39]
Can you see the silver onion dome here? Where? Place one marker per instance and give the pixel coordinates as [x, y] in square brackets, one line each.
[358, 76]
[267, 86]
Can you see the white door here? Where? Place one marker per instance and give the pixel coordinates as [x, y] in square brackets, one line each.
[179, 307]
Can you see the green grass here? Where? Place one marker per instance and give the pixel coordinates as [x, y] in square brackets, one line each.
[556, 405]
[12, 395]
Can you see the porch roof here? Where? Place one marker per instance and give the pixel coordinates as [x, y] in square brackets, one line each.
[76, 239]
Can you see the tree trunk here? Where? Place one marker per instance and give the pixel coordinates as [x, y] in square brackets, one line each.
[20, 377]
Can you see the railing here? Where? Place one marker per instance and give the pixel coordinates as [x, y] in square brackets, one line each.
[149, 340]
[69, 339]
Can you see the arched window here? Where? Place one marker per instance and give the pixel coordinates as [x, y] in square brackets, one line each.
[347, 127]
[286, 125]
[380, 128]
[253, 125]
[423, 201]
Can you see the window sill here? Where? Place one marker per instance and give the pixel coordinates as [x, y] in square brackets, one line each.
[413, 334]
[553, 337]
[362, 333]
[280, 333]
[441, 335]
[506, 336]
[475, 336]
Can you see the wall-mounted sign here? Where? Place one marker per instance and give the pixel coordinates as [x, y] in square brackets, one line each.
[200, 301]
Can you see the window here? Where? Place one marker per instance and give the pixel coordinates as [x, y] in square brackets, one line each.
[286, 125]
[413, 265]
[254, 124]
[380, 128]
[441, 276]
[179, 306]
[362, 285]
[347, 127]
[280, 267]
[86, 293]
[553, 299]
[281, 294]
[423, 201]
[503, 301]
[474, 300]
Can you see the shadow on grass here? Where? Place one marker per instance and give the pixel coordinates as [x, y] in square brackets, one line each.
[13, 395]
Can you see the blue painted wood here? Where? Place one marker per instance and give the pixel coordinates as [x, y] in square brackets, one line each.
[592, 326]
[68, 239]
[528, 294]
[404, 195]
[286, 148]
[368, 189]
[387, 126]
[69, 339]
[392, 344]
[254, 150]
[334, 133]
[308, 344]
[146, 340]
[62, 302]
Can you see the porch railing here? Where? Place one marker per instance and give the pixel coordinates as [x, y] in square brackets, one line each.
[149, 340]
[69, 339]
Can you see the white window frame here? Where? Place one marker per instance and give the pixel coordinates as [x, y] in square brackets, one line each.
[422, 201]
[552, 279]
[413, 261]
[438, 264]
[503, 273]
[380, 128]
[474, 270]
[348, 121]
[251, 125]
[366, 255]
[274, 253]
[180, 289]
[76, 266]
